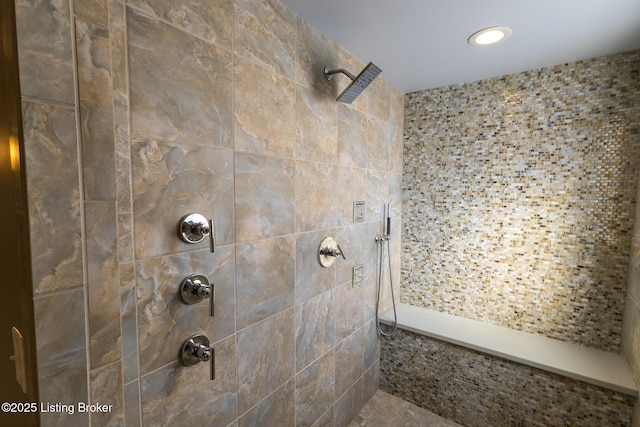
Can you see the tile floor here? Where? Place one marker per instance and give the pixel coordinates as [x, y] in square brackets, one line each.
[385, 410]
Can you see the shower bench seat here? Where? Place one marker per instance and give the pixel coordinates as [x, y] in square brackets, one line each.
[608, 370]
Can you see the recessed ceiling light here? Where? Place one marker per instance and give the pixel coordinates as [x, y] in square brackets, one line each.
[488, 36]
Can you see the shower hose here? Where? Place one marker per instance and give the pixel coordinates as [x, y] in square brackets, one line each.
[380, 259]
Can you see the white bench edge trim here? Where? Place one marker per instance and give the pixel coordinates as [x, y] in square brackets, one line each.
[597, 367]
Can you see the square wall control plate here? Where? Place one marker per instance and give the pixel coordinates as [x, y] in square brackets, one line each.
[358, 211]
[358, 275]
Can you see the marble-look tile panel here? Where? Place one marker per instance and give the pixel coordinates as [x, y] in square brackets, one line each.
[164, 320]
[129, 321]
[265, 31]
[265, 271]
[45, 50]
[265, 358]
[264, 110]
[348, 405]
[385, 409]
[316, 126]
[315, 389]
[352, 137]
[371, 345]
[352, 240]
[265, 197]
[353, 188]
[326, 419]
[378, 145]
[371, 382]
[103, 286]
[208, 20]
[396, 161]
[132, 405]
[54, 196]
[349, 310]
[179, 395]
[379, 98]
[314, 51]
[96, 111]
[277, 409]
[377, 194]
[396, 107]
[349, 361]
[62, 354]
[171, 181]
[316, 196]
[311, 278]
[119, 69]
[315, 321]
[93, 10]
[106, 389]
[180, 86]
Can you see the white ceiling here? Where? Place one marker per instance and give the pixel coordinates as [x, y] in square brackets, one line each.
[421, 44]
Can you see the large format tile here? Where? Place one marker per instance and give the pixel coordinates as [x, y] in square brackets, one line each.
[45, 50]
[265, 198]
[96, 111]
[62, 354]
[264, 110]
[316, 196]
[208, 20]
[180, 86]
[265, 272]
[349, 361]
[106, 389]
[315, 389]
[265, 358]
[385, 410]
[94, 10]
[164, 320]
[314, 51]
[311, 278]
[378, 145]
[277, 409]
[171, 180]
[54, 196]
[352, 137]
[315, 322]
[265, 31]
[103, 286]
[353, 182]
[316, 126]
[179, 395]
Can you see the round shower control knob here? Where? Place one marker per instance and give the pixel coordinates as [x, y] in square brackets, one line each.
[195, 350]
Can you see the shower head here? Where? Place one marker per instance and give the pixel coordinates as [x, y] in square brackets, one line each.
[358, 84]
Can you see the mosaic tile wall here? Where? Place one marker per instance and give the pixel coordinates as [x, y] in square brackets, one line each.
[518, 198]
[477, 390]
[138, 112]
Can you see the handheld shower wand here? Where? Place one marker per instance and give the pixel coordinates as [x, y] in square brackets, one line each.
[380, 239]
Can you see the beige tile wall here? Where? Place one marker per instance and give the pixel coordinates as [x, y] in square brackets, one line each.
[138, 112]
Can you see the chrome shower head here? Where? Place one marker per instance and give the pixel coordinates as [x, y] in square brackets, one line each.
[358, 84]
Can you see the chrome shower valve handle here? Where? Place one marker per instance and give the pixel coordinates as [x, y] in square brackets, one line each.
[328, 251]
[195, 288]
[195, 350]
[194, 228]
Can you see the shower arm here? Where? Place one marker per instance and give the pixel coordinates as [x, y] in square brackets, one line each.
[328, 73]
